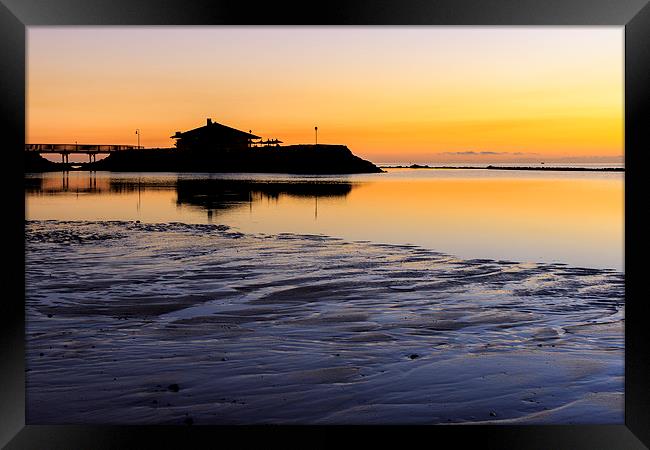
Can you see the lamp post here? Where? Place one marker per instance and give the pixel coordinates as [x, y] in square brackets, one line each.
[316, 130]
[137, 131]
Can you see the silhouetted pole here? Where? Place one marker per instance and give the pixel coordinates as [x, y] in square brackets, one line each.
[137, 131]
[139, 200]
[316, 130]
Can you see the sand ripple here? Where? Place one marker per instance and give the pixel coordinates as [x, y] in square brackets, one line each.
[308, 329]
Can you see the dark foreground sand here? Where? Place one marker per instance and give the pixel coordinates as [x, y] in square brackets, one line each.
[133, 323]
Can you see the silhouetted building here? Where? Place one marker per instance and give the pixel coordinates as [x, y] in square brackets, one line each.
[213, 136]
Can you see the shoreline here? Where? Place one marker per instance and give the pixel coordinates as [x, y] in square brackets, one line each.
[81, 167]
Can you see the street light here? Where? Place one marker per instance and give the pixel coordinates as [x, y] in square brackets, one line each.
[137, 131]
[316, 130]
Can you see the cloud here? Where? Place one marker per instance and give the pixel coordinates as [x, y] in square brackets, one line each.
[473, 153]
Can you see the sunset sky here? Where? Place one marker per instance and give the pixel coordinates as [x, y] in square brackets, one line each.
[391, 94]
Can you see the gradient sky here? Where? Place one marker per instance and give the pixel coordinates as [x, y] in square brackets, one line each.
[392, 94]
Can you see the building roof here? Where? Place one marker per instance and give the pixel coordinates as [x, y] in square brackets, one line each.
[212, 127]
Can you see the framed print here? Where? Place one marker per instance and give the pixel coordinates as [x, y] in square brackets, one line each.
[362, 218]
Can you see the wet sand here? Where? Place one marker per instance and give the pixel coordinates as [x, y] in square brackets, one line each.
[131, 323]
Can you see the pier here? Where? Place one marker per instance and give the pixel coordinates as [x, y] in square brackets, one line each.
[89, 149]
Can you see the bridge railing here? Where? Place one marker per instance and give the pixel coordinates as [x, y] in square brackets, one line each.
[81, 148]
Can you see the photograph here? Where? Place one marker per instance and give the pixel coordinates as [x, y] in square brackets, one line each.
[229, 225]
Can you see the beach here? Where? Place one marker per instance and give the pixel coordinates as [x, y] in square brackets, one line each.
[173, 323]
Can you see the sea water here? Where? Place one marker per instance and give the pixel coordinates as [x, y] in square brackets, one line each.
[407, 297]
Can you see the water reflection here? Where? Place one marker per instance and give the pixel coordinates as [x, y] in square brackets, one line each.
[79, 182]
[206, 194]
[223, 194]
[574, 218]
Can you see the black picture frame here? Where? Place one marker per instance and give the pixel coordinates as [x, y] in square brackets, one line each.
[16, 15]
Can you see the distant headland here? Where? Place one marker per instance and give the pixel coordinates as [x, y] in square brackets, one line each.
[547, 168]
[211, 148]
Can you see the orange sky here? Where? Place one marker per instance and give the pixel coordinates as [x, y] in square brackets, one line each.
[392, 94]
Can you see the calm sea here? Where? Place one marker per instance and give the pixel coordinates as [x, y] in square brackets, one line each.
[575, 218]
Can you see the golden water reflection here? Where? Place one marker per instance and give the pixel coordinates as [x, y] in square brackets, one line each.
[572, 217]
